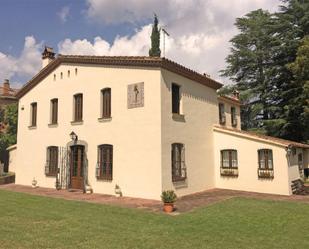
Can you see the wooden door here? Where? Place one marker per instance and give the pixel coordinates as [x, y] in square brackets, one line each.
[77, 167]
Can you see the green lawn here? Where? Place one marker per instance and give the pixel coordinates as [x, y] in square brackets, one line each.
[39, 222]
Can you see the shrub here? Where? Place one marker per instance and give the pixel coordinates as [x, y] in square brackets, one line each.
[168, 196]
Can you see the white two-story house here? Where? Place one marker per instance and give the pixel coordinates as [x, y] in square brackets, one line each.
[141, 125]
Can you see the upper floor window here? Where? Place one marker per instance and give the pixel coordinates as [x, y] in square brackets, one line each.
[105, 162]
[175, 99]
[78, 107]
[51, 167]
[179, 172]
[233, 116]
[266, 166]
[221, 113]
[34, 109]
[106, 103]
[54, 111]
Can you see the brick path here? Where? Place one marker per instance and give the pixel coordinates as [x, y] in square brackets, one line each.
[183, 204]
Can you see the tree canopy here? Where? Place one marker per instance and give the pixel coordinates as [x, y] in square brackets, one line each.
[265, 63]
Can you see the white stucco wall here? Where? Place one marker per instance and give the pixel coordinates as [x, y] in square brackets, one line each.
[247, 179]
[199, 106]
[134, 133]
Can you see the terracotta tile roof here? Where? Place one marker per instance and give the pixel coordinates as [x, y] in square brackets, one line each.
[264, 137]
[229, 99]
[11, 92]
[137, 61]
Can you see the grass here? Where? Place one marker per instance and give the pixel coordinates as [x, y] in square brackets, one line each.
[40, 222]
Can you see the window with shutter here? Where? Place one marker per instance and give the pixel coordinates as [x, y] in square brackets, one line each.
[54, 111]
[105, 162]
[233, 116]
[179, 172]
[106, 103]
[221, 114]
[78, 107]
[51, 168]
[175, 99]
[34, 114]
[266, 166]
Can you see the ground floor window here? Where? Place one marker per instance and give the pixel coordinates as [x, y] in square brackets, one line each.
[266, 166]
[229, 163]
[105, 162]
[179, 172]
[51, 167]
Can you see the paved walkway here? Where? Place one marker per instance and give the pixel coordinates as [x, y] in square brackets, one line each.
[183, 204]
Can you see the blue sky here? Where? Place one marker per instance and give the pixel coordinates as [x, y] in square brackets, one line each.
[200, 30]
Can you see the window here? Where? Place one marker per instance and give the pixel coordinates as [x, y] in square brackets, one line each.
[54, 111]
[266, 167]
[51, 168]
[78, 107]
[61, 75]
[221, 113]
[179, 172]
[105, 162]
[34, 109]
[233, 116]
[75, 71]
[106, 103]
[54, 77]
[229, 164]
[69, 73]
[229, 159]
[175, 99]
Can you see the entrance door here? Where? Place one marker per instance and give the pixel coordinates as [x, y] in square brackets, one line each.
[77, 166]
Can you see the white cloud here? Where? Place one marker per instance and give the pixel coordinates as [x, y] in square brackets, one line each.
[200, 29]
[137, 44]
[27, 64]
[64, 13]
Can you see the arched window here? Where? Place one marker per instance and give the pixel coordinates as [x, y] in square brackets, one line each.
[104, 168]
[179, 171]
[106, 102]
[51, 167]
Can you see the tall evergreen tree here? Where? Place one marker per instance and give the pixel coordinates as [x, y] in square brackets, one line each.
[155, 51]
[249, 66]
[262, 64]
[290, 27]
[297, 110]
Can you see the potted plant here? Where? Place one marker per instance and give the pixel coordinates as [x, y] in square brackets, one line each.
[118, 192]
[168, 197]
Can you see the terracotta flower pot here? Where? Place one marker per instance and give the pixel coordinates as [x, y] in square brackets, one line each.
[168, 207]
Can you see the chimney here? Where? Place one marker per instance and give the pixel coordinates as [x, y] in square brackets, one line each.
[6, 87]
[236, 94]
[47, 56]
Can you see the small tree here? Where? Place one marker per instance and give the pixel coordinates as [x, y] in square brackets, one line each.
[155, 51]
[9, 118]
